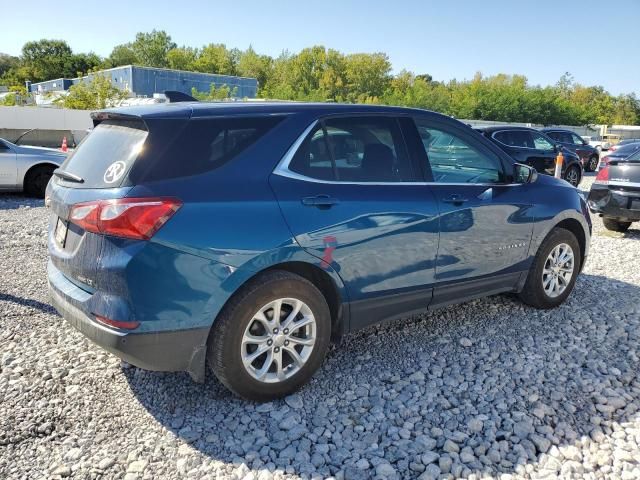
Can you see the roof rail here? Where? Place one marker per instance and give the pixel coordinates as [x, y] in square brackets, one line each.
[174, 96]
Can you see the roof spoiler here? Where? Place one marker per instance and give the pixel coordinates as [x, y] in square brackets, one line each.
[173, 96]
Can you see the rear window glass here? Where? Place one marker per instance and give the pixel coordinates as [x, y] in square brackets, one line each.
[104, 156]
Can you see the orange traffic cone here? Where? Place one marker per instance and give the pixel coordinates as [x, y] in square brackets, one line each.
[64, 147]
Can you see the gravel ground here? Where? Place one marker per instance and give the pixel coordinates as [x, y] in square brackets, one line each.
[490, 388]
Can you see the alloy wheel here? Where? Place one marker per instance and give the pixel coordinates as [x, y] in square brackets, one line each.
[572, 176]
[558, 270]
[278, 340]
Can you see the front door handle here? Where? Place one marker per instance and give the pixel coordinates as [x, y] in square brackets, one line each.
[320, 201]
[455, 199]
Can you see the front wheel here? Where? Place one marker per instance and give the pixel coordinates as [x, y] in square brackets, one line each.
[573, 175]
[592, 164]
[271, 337]
[615, 225]
[554, 270]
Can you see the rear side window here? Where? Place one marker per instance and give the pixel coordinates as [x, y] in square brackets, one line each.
[106, 154]
[515, 138]
[203, 145]
[354, 149]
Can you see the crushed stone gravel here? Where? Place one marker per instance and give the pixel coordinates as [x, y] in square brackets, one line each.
[487, 389]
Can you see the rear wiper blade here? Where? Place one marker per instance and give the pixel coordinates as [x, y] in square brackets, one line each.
[70, 177]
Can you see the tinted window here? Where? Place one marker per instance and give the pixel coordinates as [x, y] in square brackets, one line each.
[453, 160]
[3, 147]
[557, 136]
[515, 138]
[171, 149]
[540, 142]
[354, 149]
[210, 143]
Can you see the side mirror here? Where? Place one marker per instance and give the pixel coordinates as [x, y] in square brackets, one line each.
[524, 173]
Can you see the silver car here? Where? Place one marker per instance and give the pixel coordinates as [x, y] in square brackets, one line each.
[27, 169]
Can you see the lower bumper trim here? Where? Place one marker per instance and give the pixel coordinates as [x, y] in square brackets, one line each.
[173, 351]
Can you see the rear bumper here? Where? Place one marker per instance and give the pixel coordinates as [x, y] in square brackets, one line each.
[172, 351]
[615, 204]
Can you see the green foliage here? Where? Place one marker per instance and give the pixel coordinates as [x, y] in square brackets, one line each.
[122, 55]
[214, 94]
[215, 58]
[151, 48]
[321, 74]
[97, 93]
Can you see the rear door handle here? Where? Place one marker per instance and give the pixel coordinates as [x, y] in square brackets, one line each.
[320, 201]
[455, 199]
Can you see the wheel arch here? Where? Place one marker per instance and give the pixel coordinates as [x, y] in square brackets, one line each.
[324, 282]
[575, 227]
[35, 166]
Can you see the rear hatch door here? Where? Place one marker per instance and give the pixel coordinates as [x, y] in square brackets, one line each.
[102, 168]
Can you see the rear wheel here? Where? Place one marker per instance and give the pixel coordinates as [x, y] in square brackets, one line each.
[573, 175]
[615, 225]
[36, 180]
[271, 337]
[592, 163]
[554, 271]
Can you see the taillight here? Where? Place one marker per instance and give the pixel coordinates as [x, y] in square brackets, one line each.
[117, 323]
[603, 176]
[136, 218]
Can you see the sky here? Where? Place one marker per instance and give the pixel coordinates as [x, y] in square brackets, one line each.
[597, 42]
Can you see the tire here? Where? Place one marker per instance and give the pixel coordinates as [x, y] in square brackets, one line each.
[573, 175]
[592, 163]
[615, 225]
[534, 292]
[36, 180]
[228, 341]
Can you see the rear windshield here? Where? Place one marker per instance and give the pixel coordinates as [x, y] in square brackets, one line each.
[104, 156]
[119, 153]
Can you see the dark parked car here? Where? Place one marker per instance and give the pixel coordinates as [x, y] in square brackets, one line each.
[245, 236]
[530, 147]
[615, 193]
[620, 153]
[575, 143]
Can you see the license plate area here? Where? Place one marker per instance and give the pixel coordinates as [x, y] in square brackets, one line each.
[60, 233]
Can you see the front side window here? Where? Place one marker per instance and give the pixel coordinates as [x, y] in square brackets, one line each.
[540, 142]
[453, 160]
[354, 149]
[577, 139]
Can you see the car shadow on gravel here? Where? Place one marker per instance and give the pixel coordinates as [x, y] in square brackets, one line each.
[27, 302]
[14, 201]
[490, 386]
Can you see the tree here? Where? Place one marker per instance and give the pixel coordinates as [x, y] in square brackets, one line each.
[7, 62]
[151, 48]
[181, 58]
[46, 59]
[122, 55]
[252, 65]
[214, 94]
[215, 58]
[96, 93]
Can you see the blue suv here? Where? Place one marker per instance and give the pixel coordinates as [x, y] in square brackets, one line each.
[247, 236]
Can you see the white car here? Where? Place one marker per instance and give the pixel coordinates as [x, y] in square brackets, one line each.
[27, 169]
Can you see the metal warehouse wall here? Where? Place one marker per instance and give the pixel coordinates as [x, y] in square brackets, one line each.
[147, 81]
